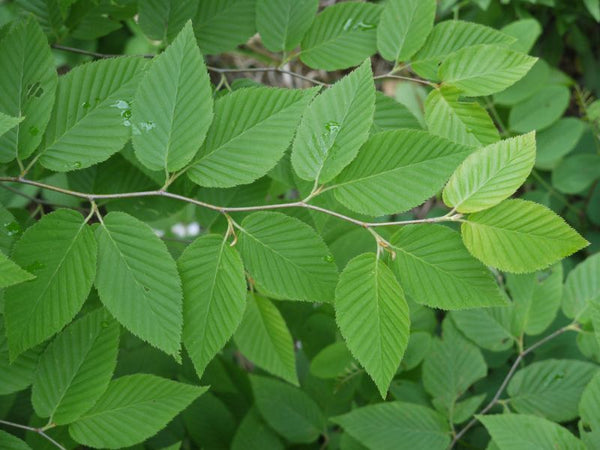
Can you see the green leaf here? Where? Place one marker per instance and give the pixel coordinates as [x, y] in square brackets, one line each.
[341, 36]
[524, 432]
[76, 368]
[10, 273]
[18, 374]
[172, 108]
[214, 296]
[436, 269]
[593, 6]
[449, 36]
[162, 20]
[132, 409]
[582, 288]
[525, 31]
[452, 365]
[333, 361]
[222, 25]
[373, 317]
[209, 422]
[489, 328]
[263, 337]
[137, 281]
[288, 410]
[27, 88]
[334, 127]
[526, 87]
[8, 122]
[557, 141]
[519, 236]
[403, 27]
[251, 131]
[91, 118]
[540, 110]
[467, 123]
[589, 405]
[491, 174]
[391, 115]
[536, 298]
[484, 69]
[282, 23]
[576, 173]
[551, 388]
[287, 257]
[10, 442]
[396, 425]
[60, 251]
[375, 183]
[254, 434]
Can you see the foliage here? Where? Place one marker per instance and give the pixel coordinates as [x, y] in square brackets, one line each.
[299, 224]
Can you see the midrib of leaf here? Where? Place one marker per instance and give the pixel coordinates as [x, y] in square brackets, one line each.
[487, 181]
[43, 291]
[378, 315]
[410, 22]
[272, 250]
[142, 287]
[151, 402]
[239, 136]
[386, 172]
[510, 230]
[344, 119]
[268, 333]
[75, 372]
[331, 40]
[20, 103]
[218, 14]
[474, 76]
[212, 289]
[172, 119]
[102, 104]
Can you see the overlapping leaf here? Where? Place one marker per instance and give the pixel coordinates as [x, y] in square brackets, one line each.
[76, 368]
[377, 181]
[522, 431]
[222, 25]
[551, 388]
[582, 288]
[436, 269]
[92, 112]
[491, 174]
[137, 281]
[214, 293]
[342, 36]
[372, 315]
[288, 410]
[396, 425]
[132, 409]
[403, 27]
[8, 122]
[263, 337]
[287, 257]
[589, 406]
[391, 115]
[18, 374]
[10, 273]
[484, 69]
[449, 36]
[334, 127]
[282, 23]
[489, 328]
[163, 20]
[537, 298]
[251, 130]
[519, 236]
[467, 123]
[60, 251]
[172, 109]
[27, 88]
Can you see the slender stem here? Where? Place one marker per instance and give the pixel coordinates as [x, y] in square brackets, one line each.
[495, 400]
[39, 431]
[267, 69]
[80, 51]
[401, 77]
[554, 192]
[224, 209]
[492, 109]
